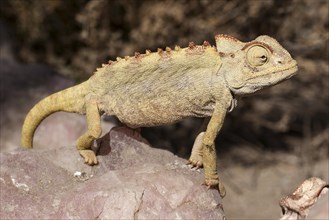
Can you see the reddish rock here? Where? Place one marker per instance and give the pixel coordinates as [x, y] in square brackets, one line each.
[132, 180]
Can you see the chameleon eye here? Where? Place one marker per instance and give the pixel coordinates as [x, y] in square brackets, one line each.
[257, 55]
[263, 58]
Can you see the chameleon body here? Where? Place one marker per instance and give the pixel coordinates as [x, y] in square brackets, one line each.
[169, 85]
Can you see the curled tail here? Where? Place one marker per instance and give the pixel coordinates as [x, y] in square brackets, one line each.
[68, 100]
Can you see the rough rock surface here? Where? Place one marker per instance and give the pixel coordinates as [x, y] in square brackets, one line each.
[132, 181]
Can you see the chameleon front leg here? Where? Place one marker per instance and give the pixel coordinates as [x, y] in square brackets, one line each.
[209, 151]
[93, 132]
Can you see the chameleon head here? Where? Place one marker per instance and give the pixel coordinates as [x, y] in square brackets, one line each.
[249, 67]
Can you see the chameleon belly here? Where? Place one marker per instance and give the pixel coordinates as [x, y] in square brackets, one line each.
[157, 104]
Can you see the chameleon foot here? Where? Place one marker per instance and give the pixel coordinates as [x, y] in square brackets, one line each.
[195, 161]
[89, 156]
[216, 184]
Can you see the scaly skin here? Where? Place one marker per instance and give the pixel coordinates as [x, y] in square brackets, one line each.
[167, 86]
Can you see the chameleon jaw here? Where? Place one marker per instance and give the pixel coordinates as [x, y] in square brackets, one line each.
[255, 81]
[273, 76]
[290, 70]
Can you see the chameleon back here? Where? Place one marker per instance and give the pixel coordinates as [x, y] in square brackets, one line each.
[154, 82]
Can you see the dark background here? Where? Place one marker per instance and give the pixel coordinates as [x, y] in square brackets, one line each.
[288, 122]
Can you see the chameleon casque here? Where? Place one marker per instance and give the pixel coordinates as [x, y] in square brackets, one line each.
[169, 85]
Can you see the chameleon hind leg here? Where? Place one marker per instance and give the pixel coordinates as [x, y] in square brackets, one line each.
[93, 132]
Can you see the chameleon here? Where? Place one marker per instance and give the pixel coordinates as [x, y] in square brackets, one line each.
[166, 86]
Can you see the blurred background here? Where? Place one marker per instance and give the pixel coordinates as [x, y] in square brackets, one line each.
[269, 144]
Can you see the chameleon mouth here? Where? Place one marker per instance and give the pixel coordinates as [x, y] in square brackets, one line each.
[267, 78]
[290, 70]
[272, 76]
[276, 75]
[285, 73]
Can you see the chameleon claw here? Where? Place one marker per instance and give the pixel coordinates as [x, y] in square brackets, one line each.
[219, 186]
[193, 166]
[222, 190]
[195, 163]
[89, 156]
[208, 187]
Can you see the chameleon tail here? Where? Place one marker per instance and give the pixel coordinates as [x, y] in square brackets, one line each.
[69, 100]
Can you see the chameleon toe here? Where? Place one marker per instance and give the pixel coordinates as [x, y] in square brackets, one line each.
[89, 156]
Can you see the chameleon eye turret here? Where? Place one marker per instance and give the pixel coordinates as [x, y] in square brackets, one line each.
[257, 55]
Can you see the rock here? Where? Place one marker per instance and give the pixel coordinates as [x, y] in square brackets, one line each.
[132, 181]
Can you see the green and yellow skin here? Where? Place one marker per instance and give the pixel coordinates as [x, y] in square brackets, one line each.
[167, 86]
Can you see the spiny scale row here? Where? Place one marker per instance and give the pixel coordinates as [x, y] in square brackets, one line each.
[191, 46]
